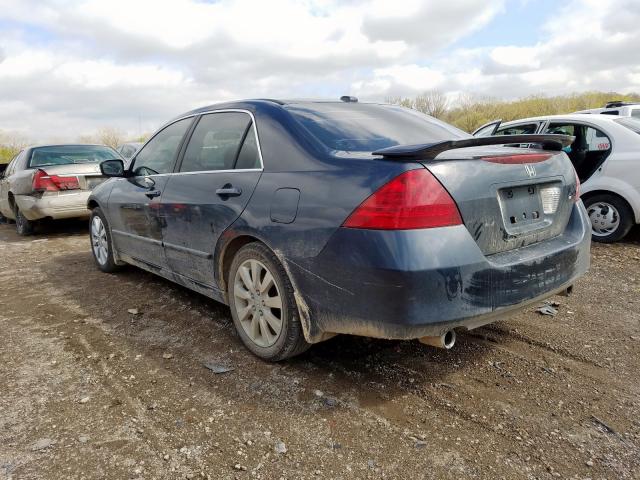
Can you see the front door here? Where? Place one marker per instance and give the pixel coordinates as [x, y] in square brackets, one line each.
[134, 203]
[219, 170]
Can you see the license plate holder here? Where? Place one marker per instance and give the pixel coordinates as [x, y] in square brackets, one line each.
[521, 208]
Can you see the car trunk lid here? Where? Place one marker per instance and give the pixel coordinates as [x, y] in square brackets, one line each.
[508, 197]
[509, 205]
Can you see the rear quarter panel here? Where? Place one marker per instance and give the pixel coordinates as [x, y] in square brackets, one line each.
[620, 174]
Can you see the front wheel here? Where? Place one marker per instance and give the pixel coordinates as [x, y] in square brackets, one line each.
[263, 305]
[24, 226]
[611, 218]
[101, 245]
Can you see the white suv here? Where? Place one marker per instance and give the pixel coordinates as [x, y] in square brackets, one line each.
[617, 108]
[606, 156]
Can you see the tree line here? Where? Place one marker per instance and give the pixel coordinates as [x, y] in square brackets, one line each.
[469, 112]
[466, 112]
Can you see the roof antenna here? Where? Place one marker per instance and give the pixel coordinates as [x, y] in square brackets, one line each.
[349, 99]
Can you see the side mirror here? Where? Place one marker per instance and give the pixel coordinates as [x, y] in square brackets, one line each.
[112, 168]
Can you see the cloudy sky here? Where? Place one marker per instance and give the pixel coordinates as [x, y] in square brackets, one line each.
[68, 68]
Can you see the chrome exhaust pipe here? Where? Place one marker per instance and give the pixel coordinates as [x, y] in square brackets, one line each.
[447, 340]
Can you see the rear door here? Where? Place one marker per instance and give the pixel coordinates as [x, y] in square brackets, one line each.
[135, 201]
[219, 170]
[590, 148]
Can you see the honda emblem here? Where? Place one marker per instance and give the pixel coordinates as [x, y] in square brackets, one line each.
[531, 171]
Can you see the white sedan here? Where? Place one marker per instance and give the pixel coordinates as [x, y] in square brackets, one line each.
[606, 156]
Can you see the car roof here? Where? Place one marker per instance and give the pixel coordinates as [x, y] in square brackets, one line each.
[578, 117]
[257, 102]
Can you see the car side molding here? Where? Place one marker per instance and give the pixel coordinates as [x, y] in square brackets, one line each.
[429, 151]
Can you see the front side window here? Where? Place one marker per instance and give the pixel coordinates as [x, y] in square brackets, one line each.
[158, 156]
[215, 142]
[525, 129]
[635, 112]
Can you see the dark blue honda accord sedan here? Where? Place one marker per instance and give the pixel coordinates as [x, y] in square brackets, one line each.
[311, 219]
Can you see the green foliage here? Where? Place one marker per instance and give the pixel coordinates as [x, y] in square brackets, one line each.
[470, 112]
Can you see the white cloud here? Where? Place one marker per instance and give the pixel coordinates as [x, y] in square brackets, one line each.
[69, 67]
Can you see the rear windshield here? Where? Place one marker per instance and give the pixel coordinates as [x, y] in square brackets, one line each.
[68, 154]
[354, 127]
[631, 123]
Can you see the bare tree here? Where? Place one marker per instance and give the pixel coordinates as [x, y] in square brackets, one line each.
[403, 102]
[110, 136]
[431, 102]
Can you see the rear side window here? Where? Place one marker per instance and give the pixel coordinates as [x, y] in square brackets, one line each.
[249, 156]
[525, 129]
[355, 127]
[215, 142]
[158, 156]
[70, 154]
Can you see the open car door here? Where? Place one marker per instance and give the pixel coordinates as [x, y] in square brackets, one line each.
[488, 129]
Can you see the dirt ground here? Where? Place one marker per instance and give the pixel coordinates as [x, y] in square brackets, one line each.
[89, 390]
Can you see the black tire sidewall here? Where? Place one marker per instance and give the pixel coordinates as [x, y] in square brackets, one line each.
[24, 226]
[110, 265]
[291, 332]
[624, 211]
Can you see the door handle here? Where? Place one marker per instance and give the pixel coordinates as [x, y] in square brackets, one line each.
[228, 192]
[153, 193]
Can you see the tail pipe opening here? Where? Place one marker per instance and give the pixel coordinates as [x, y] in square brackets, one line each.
[447, 340]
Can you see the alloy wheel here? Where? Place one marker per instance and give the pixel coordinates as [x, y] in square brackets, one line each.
[258, 303]
[99, 241]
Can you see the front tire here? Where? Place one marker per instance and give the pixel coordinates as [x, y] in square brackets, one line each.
[24, 226]
[263, 305]
[101, 244]
[611, 217]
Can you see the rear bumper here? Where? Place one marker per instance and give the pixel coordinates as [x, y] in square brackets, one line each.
[56, 205]
[412, 283]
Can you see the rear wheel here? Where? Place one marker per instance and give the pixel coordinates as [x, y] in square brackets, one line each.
[101, 245]
[611, 217]
[263, 305]
[24, 226]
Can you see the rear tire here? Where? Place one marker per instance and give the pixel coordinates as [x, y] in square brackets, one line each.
[611, 217]
[101, 244]
[24, 226]
[263, 305]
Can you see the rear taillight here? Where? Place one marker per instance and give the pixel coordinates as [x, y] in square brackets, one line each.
[414, 199]
[577, 196]
[42, 182]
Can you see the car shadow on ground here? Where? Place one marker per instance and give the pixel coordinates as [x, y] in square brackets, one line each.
[177, 318]
[47, 229]
[633, 237]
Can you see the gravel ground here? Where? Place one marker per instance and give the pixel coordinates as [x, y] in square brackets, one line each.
[90, 390]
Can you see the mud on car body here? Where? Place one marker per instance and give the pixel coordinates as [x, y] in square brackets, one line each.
[311, 219]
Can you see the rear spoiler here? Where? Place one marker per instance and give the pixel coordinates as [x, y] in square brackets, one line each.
[429, 151]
